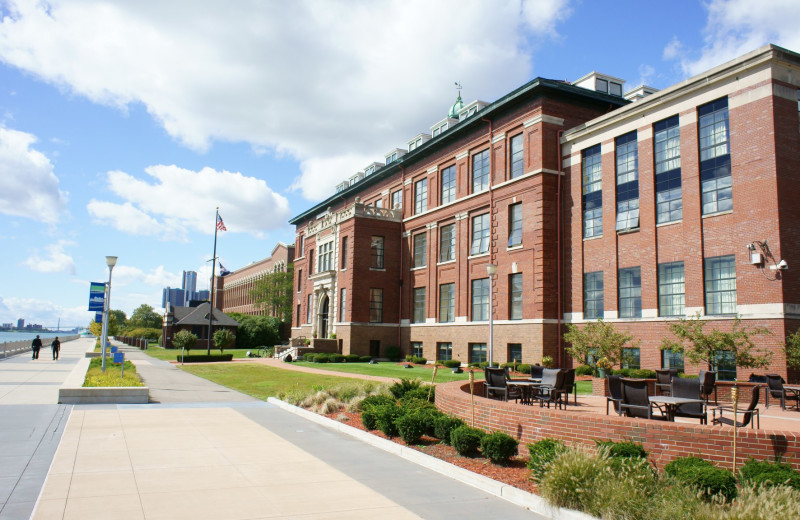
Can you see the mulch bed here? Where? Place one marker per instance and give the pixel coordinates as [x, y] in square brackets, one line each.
[515, 473]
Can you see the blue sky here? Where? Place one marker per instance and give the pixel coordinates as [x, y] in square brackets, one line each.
[124, 124]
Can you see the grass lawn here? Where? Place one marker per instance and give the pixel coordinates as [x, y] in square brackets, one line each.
[262, 381]
[389, 369]
[173, 353]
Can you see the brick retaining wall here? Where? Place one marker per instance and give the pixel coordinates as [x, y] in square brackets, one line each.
[663, 440]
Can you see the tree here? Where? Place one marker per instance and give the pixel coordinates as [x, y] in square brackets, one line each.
[256, 331]
[223, 338]
[597, 339]
[145, 317]
[113, 324]
[700, 346]
[792, 349]
[273, 292]
[184, 339]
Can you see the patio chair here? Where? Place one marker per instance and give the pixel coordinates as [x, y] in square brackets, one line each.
[567, 386]
[663, 379]
[775, 389]
[496, 385]
[552, 384]
[636, 402]
[708, 384]
[689, 388]
[536, 371]
[747, 413]
[615, 389]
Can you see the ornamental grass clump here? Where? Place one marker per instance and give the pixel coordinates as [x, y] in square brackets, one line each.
[542, 453]
[499, 447]
[569, 480]
[768, 502]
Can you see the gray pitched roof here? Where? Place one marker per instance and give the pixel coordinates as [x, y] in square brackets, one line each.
[199, 316]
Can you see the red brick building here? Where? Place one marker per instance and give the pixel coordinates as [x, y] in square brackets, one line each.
[637, 209]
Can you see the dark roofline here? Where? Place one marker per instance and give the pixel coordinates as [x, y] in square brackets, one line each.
[457, 130]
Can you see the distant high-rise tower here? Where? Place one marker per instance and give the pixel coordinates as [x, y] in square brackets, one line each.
[189, 286]
[175, 297]
[20, 323]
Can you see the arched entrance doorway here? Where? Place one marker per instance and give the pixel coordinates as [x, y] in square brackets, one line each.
[323, 317]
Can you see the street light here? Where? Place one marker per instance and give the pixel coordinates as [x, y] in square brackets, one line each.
[111, 261]
[492, 270]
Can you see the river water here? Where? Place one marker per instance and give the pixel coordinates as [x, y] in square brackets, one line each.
[28, 336]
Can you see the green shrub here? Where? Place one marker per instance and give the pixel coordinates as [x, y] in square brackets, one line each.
[642, 373]
[701, 474]
[485, 364]
[369, 418]
[400, 388]
[256, 330]
[376, 400]
[443, 425]
[525, 368]
[451, 363]
[352, 358]
[499, 447]
[624, 372]
[202, 358]
[466, 440]
[386, 416]
[392, 352]
[419, 360]
[431, 416]
[412, 426]
[765, 473]
[625, 449]
[409, 358]
[542, 454]
[365, 359]
[584, 370]
[310, 357]
[335, 358]
[322, 358]
[422, 393]
[570, 478]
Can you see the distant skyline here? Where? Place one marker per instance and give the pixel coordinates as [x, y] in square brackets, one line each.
[123, 125]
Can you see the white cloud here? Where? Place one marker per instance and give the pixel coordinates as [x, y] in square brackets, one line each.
[317, 79]
[736, 27]
[56, 261]
[43, 312]
[159, 277]
[178, 201]
[28, 186]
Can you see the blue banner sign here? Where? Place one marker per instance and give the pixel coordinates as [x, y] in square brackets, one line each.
[97, 296]
[119, 357]
[98, 317]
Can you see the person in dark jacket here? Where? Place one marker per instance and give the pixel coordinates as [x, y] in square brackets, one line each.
[56, 346]
[35, 346]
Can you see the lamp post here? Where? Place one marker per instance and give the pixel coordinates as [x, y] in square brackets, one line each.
[492, 270]
[111, 261]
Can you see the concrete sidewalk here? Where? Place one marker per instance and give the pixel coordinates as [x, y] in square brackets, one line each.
[205, 451]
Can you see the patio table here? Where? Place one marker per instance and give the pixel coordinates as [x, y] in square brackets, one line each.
[526, 389]
[795, 391]
[671, 403]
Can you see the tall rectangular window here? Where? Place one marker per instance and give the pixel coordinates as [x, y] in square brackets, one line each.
[627, 155]
[480, 171]
[671, 289]
[375, 305]
[480, 234]
[477, 352]
[419, 305]
[515, 296]
[376, 252]
[444, 351]
[310, 262]
[302, 245]
[447, 243]
[309, 302]
[420, 249]
[630, 292]
[421, 196]
[631, 358]
[397, 199]
[592, 179]
[447, 302]
[715, 158]
[669, 204]
[670, 359]
[342, 304]
[325, 257]
[480, 299]
[297, 316]
[593, 295]
[514, 352]
[515, 224]
[448, 184]
[299, 280]
[344, 253]
[720, 280]
[416, 348]
[517, 156]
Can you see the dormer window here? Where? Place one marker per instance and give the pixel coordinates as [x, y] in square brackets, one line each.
[435, 132]
[369, 171]
[391, 157]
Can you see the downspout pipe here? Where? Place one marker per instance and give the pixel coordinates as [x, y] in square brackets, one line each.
[402, 270]
[491, 251]
[559, 302]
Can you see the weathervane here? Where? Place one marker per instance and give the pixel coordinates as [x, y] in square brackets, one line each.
[458, 88]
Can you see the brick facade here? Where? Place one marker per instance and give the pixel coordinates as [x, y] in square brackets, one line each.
[557, 122]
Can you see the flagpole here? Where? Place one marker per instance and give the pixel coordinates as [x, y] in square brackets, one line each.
[211, 284]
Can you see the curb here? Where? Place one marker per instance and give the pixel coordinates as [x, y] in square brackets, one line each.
[73, 391]
[514, 495]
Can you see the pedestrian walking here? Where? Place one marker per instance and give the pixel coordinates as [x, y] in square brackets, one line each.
[35, 346]
[56, 346]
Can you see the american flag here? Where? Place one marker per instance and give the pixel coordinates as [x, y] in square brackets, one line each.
[221, 224]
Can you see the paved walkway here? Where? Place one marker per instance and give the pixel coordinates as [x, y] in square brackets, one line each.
[203, 451]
